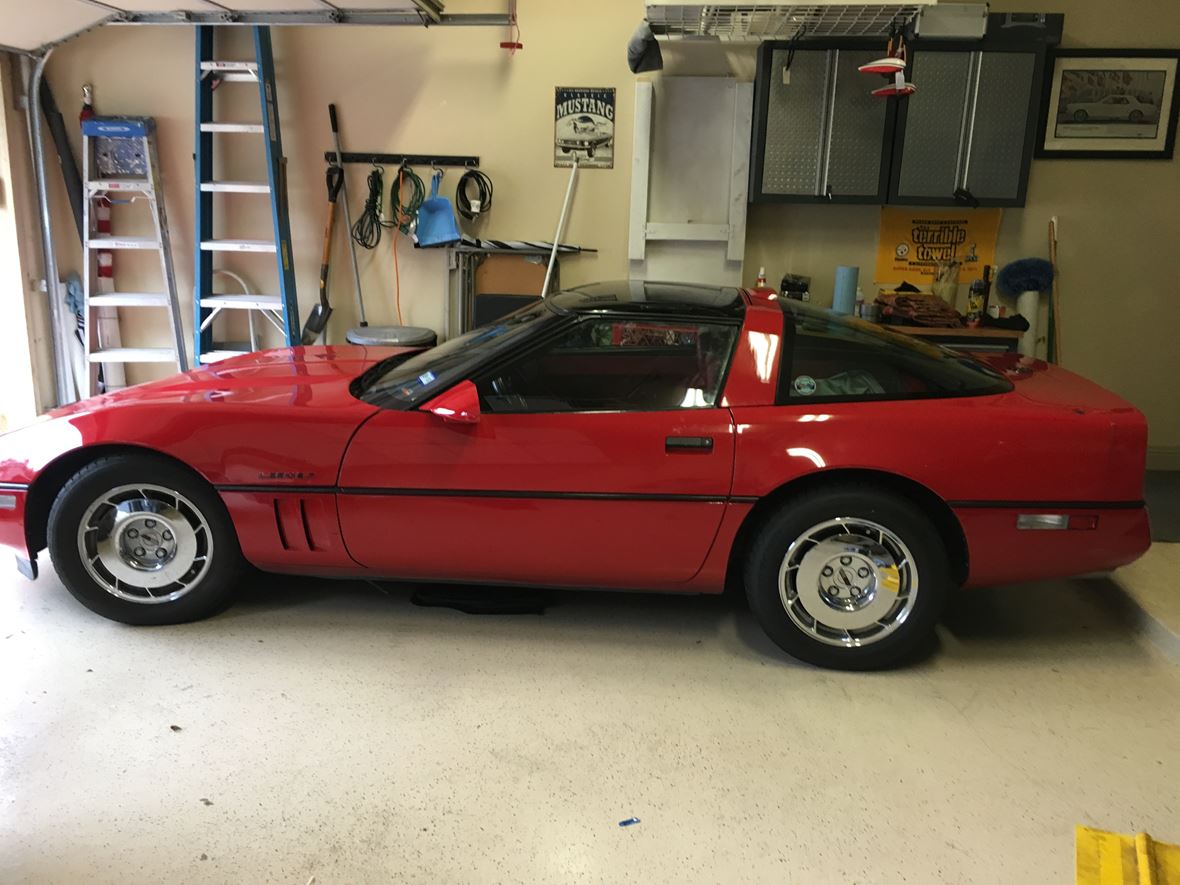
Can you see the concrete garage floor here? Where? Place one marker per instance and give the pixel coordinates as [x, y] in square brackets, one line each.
[336, 731]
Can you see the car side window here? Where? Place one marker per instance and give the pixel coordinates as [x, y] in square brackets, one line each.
[606, 364]
[841, 359]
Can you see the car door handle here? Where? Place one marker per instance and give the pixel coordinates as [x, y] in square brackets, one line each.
[688, 444]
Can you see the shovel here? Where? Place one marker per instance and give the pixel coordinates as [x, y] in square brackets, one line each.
[322, 311]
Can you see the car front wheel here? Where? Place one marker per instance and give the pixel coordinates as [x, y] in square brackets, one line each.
[139, 539]
[1080, 116]
[848, 578]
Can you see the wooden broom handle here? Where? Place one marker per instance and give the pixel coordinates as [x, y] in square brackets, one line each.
[1056, 294]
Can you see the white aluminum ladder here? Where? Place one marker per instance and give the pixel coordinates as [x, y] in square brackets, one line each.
[119, 158]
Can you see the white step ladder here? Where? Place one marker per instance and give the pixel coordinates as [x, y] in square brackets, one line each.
[119, 157]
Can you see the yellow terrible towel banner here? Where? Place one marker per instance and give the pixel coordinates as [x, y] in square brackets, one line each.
[1113, 859]
[914, 240]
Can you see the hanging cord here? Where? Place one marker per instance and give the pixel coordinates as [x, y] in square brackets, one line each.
[793, 44]
[397, 282]
[367, 230]
[468, 208]
[406, 214]
[404, 217]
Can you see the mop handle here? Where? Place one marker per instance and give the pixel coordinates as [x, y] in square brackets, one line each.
[356, 272]
[569, 192]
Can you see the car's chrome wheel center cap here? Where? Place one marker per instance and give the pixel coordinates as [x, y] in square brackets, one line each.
[146, 542]
[847, 581]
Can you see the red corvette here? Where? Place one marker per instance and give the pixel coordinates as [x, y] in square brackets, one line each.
[626, 436]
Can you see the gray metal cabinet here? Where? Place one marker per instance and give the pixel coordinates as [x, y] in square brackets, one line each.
[821, 136]
[966, 136]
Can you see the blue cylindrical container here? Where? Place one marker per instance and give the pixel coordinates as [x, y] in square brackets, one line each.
[844, 296]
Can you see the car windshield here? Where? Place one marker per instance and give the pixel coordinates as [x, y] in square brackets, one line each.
[398, 383]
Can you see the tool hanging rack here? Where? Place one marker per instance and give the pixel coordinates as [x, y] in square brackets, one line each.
[403, 159]
[755, 22]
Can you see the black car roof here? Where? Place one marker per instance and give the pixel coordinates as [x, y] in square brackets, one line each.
[647, 297]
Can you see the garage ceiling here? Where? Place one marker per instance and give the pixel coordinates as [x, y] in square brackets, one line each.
[58, 20]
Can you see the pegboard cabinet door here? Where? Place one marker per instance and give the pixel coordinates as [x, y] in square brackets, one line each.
[819, 136]
[966, 136]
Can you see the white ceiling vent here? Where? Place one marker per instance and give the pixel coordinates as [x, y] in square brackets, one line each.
[755, 22]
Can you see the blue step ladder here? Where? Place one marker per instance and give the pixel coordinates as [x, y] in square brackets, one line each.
[281, 308]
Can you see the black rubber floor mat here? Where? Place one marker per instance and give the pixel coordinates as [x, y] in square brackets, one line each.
[1163, 504]
[484, 600]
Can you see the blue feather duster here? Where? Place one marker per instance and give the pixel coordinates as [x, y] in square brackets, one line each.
[1025, 275]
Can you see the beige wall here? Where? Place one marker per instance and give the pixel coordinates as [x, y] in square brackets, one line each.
[456, 91]
[397, 90]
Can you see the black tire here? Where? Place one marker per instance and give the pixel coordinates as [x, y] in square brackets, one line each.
[899, 516]
[206, 595]
[1080, 116]
[1136, 116]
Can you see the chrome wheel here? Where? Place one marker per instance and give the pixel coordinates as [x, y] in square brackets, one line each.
[848, 582]
[145, 543]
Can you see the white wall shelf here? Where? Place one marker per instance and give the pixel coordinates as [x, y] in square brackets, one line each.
[755, 22]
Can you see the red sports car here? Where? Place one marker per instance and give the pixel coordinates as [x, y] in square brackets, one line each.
[624, 436]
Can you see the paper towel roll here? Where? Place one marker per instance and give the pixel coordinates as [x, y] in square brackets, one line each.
[1028, 305]
[844, 296]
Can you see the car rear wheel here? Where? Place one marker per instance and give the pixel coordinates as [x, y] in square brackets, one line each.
[1080, 116]
[848, 578]
[1136, 116]
[139, 539]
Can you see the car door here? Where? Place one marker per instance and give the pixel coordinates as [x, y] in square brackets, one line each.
[600, 458]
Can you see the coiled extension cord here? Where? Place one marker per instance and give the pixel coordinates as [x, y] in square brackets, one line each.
[468, 208]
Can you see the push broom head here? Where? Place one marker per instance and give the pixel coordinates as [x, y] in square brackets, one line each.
[1025, 275]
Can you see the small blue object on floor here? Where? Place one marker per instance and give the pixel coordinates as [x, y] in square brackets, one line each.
[629, 822]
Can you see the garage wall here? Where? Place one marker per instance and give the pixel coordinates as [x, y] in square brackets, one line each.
[455, 91]
[443, 90]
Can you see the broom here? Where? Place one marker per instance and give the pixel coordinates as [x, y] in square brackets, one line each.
[1054, 341]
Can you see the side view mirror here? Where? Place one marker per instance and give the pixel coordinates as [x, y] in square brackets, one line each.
[460, 404]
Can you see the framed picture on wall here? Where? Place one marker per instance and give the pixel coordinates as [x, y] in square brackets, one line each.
[1116, 103]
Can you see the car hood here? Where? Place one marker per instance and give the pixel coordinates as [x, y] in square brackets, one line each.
[285, 414]
[293, 376]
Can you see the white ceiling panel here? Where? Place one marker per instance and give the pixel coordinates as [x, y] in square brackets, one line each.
[23, 28]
